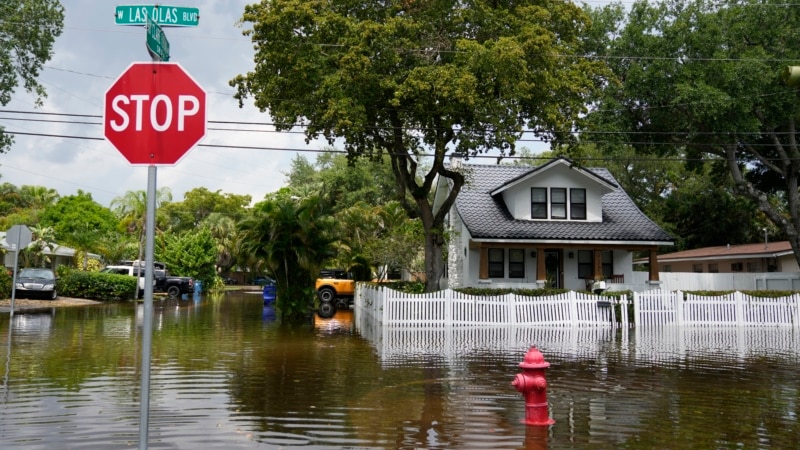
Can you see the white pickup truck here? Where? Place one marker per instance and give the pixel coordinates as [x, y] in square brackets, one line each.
[162, 280]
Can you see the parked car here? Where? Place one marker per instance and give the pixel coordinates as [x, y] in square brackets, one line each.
[36, 282]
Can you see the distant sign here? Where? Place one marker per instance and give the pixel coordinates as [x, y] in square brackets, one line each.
[19, 236]
[166, 16]
[157, 43]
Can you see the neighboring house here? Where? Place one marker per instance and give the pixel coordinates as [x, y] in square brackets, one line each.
[557, 225]
[761, 257]
[58, 255]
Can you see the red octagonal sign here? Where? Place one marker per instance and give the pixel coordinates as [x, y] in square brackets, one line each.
[154, 113]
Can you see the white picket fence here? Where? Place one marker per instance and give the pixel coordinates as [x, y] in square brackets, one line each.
[449, 308]
[654, 308]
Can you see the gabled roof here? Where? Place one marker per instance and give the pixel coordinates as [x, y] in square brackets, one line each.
[760, 250]
[487, 218]
[535, 171]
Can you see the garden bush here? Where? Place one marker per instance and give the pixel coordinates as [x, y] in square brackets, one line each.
[96, 285]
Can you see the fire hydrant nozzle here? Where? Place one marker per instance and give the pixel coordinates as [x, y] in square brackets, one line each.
[533, 385]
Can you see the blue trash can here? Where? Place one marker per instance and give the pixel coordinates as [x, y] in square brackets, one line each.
[198, 286]
[270, 292]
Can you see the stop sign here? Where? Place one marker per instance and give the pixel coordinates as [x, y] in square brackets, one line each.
[154, 113]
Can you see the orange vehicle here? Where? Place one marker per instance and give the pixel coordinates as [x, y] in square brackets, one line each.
[336, 287]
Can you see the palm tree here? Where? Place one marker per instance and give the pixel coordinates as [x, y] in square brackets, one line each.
[43, 239]
[131, 209]
[37, 197]
[223, 230]
[293, 237]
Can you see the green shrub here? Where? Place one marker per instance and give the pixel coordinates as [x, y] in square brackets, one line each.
[96, 285]
[5, 284]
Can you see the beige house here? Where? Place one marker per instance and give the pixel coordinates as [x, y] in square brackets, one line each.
[746, 258]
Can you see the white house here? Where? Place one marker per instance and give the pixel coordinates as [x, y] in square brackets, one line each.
[58, 255]
[557, 224]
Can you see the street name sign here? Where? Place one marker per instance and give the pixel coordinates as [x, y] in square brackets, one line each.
[156, 42]
[166, 16]
[154, 113]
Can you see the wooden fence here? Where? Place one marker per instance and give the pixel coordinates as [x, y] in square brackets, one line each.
[449, 308]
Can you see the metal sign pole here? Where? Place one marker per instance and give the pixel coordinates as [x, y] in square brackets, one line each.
[147, 332]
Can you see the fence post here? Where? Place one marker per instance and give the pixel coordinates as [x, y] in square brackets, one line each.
[679, 307]
[573, 308]
[448, 306]
[738, 299]
[384, 296]
[796, 315]
[511, 308]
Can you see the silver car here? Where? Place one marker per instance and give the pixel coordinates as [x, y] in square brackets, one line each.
[36, 282]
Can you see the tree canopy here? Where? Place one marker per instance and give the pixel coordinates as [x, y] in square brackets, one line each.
[28, 29]
[701, 81]
[418, 80]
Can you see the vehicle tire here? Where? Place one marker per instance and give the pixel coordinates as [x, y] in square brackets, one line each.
[326, 295]
[342, 304]
[326, 310]
[174, 291]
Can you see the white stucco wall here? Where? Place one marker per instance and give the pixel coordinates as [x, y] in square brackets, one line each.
[518, 197]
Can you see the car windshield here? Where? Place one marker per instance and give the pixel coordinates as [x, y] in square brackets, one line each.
[36, 273]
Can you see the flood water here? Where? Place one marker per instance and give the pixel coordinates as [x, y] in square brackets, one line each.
[225, 376]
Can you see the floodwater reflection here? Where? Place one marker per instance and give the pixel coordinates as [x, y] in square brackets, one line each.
[226, 375]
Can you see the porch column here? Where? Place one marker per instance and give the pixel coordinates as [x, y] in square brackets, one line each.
[541, 269]
[653, 265]
[483, 266]
[597, 265]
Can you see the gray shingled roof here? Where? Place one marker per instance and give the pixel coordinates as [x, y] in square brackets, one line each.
[488, 218]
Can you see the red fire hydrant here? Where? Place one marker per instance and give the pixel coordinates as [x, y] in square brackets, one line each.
[533, 385]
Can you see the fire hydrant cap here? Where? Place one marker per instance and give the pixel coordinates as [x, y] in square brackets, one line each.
[534, 360]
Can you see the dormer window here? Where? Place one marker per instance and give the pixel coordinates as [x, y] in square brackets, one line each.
[539, 203]
[553, 203]
[577, 204]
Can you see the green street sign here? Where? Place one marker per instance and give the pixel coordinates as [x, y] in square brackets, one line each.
[166, 16]
[157, 43]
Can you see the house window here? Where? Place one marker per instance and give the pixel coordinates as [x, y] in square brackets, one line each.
[497, 263]
[577, 204]
[736, 267]
[516, 263]
[538, 203]
[754, 266]
[558, 203]
[667, 268]
[713, 268]
[697, 268]
[585, 264]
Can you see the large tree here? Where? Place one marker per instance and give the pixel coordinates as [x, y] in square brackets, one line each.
[418, 80]
[292, 236]
[701, 81]
[28, 29]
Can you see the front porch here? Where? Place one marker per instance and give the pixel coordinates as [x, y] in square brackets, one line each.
[570, 266]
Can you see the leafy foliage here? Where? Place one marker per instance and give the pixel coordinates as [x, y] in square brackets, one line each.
[701, 81]
[189, 255]
[403, 78]
[292, 237]
[95, 285]
[28, 30]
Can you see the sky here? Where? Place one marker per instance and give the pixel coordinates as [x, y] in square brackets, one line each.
[91, 53]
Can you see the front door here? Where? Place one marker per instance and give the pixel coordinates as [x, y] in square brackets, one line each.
[552, 267]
